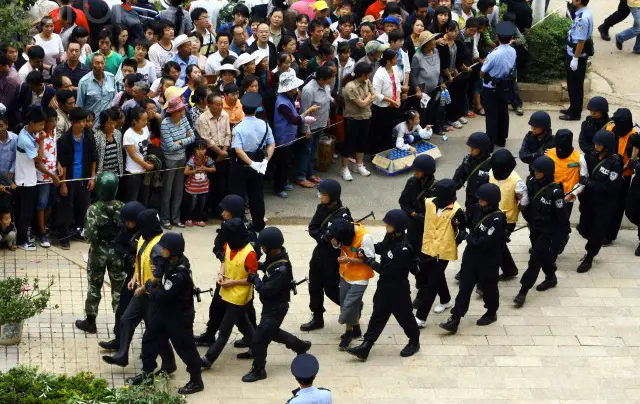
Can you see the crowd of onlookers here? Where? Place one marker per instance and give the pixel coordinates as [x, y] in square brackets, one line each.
[154, 96]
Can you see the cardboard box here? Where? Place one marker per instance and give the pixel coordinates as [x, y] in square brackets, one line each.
[394, 161]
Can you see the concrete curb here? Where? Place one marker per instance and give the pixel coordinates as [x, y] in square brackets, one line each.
[554, 92]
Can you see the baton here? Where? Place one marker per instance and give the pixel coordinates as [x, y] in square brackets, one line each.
[197, 292]
[366, 217]
[294, 285]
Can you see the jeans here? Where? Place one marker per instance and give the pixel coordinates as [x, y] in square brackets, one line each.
[172, 188]
[306, 156]
[633, 31]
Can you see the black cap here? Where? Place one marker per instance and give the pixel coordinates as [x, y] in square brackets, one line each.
[607, 139]
[490, 193]
[479, 140]
[305, 366]
[174, 242]
[398, 219]
[271, 237]
[331, 188]
[424, 163]
[540, 119]
[598, 103]
[130, 211]
[234, 204]
[251, 100]
[505, 29]
[545, 165]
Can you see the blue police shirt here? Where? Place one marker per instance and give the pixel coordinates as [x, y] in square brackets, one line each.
[249, 132]
[311, 395]
[581, 30]
[77, 156]
[499, 63]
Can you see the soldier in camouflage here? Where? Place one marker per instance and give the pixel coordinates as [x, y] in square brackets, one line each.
[102, 224]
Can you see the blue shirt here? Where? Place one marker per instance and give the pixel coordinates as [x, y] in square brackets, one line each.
[95, 97]
[228, 28]
[170, 132]
[234, 48]
[183, 65]
[500, 63]
[311, 395]
[8, 153]
[77, 156]
[248, 133]
[581, 30]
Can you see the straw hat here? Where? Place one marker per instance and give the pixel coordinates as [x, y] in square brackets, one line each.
[173, 92]
[176, 105]
[288, 81]
[425, 37]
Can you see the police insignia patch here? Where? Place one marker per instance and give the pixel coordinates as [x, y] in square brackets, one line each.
[613, 176]
[390, 255]
[491, 230]
[559, 203]
[167, 285]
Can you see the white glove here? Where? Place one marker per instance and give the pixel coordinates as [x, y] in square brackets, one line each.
[263, 166]
[424, 100]
[309, 119]
[574, 64]
[256, 166]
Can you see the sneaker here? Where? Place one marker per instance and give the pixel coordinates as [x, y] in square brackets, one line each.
[167, 226]
[346, 174]
[28, 246]
[65, 244]
[200, 223]
[179, 225]
[282, 194]
[463, 120]
[360, 169]
[44, 242]
[288, 188]
[519, 111]
[456, 124]
[440, 308]
[471, 114]
[188, 223]
[421, 323]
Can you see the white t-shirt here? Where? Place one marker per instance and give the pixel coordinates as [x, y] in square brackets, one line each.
[26, 172]
[213, 62]
[131, 138]
[53, 48]
[159, 56]
[148, 71]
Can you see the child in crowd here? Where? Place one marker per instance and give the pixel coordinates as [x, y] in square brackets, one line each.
[409, 131]
[197, 183]
[7, 231]
[46, 190]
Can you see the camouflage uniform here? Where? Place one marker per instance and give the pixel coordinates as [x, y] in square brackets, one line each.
[102, 224]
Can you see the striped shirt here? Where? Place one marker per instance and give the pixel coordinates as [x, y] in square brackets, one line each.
[111, 158]
[171, 132]
[198, 183]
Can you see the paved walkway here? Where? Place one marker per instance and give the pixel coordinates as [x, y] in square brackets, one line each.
[578, 342]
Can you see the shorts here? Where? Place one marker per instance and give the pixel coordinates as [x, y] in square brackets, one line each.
[350, 302]
[46, 196]
[355, 136]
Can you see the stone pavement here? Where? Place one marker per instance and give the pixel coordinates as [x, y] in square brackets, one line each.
[578, 342]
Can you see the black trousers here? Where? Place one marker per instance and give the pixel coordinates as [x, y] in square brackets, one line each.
[497, 115]
[218, 185]
[431, 282]
[396, 300]
[544, 255]
[72, 208]
[281, 165]
[246, 182]
[324, 278]
[177, 327]
[508, 265]
[575, 85]
[234, 315]
[434, 114]
[132, 188]
[26, 209]
[458, 92]
[618, 16]
[383, 119]
[217, 310]
[125, 298]
[269, 330]
[632, 209]
[618, 210]
[486, 277]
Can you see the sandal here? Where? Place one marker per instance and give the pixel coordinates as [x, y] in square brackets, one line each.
[314, 179]
[305, 183]
[479, 111]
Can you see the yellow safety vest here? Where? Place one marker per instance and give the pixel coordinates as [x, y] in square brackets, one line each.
[235, 269]
[567, 171]
[508, 201]
[439, 238]
[144, 272]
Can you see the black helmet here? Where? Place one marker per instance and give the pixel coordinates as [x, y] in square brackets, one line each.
[564, 143]
[106, 186]
[598, 103]
[130, 211]
[174, 242]
[342, 230]
[234, 204]
[545, 165]
[398, 219]
[331, 188]
[445, 191]
[271, 237]
[540, 119]
[424, 163]
[502, 164]
[479, 140]
[490, 193]
[606, 139]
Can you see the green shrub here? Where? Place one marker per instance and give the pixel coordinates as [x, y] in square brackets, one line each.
[20, 301]
[547, 46]
[14, 21]
[25, 385]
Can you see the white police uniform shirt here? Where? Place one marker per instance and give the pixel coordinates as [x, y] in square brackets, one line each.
[499, 63]
[581, 30]
[311, 395]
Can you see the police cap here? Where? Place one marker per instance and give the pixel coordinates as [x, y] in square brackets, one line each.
[130, 211]
[398, 219]
[545, 165]
[479, 140]
[251, 100]
[305, 366]
[174, 242]
[490, 193]
[331, 188]
[424, 163]
[540, 119]
[505, 29]
[445, 191]
[234, 204]
[598, 103]
[271, 237]
[106, 186]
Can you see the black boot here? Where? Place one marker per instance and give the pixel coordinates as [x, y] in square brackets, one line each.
[142, 378]
[254, 375]
[303, 348]
[604, 33]
[585, 264]
[116, 360]
[345, 340]
[546, 285]
[245, 355]
[520, 298]
[193, 386]
[109, 345]
[458, 276]
[241, 343]
[316, 323]
[504, 277]
[451, 324]
[362, 350]
[356, 331]
[87, 325]
[206, 363]
[205, 339]
[410, 349]
[487, 318]
[637, 253]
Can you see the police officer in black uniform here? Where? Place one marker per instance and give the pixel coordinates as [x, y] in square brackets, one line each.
[171, 301]
[419, 187]
[534, 145]
[125, 245]
[598, 200]
[481, 258]
[393, 293]
[275, 292]
[548, 219]
[324, 276]
[598, 117]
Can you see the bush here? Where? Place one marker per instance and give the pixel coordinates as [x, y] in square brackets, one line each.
[25, 385]
[547, 46]
[14, 21]
[20, 301]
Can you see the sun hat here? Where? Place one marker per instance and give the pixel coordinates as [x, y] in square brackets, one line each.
[288, 81]
[228, 67]
[173, 92]
[175, 105]
[374, 46]
[181, 40]
[425, 37]
[243, 59]
[259, 55]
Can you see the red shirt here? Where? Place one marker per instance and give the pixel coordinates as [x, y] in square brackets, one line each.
[250, 264]
[375, 10]
[81, 20]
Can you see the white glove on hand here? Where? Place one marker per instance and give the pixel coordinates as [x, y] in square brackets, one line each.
[574, 64]
[309, 119]
[256, 166]
[263, 166]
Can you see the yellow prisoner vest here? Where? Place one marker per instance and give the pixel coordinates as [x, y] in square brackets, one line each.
[439, 238]
[235, 270]
[143, 271]
[508, 201]
[567, 171]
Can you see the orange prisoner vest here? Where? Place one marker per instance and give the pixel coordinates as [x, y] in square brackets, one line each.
[567, 171]
[355, 272]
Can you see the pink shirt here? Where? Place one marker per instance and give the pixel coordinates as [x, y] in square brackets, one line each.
[304, 7]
